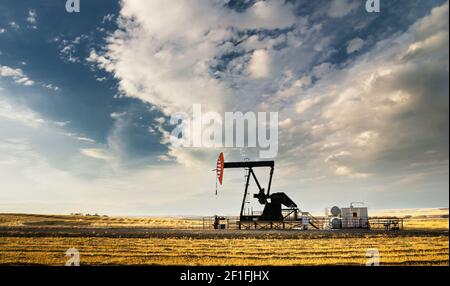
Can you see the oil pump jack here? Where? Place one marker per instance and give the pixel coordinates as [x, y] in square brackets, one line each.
[273, 202]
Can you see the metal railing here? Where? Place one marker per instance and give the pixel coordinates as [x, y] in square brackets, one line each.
[234, 222]
[386, 223]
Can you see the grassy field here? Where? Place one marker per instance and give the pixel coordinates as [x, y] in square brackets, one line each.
[43, 240]
[159, 251]
[414, 219]
[48, 221]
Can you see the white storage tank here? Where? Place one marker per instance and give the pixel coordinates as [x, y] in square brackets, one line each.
[335, 223]
[355, 217]
[335, 211]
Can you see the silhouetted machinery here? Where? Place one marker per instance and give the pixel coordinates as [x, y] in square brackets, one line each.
[280, 212]
[278, 207]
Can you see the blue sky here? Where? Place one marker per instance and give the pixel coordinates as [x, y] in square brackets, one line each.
[85, 99]
[82, 100]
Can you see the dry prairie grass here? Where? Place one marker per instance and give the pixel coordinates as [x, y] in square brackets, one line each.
[18, 220]
[432, 221]
[414, 213]
[427, 223]
[287, 248]
[279, 252]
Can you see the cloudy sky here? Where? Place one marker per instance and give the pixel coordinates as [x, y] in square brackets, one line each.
[86, 98]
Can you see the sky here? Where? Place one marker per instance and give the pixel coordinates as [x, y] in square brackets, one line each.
[86, 100]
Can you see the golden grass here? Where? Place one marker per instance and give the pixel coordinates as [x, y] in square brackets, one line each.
[279, 252]
[18, 220]
[313, 249]
[427, 223]
[414, 213]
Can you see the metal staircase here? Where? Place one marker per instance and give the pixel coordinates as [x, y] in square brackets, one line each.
[313, 221]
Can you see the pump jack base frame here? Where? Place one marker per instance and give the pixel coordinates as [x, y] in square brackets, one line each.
[248, 225]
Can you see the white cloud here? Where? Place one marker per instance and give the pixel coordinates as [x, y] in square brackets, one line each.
[306, 104]
[6, 71]
[17, 74]
[303, 81]
[32, 18]
[164, 158]
[68, 53]
[117, 115]
[341, 162]
[96, 153]
[21, 78]
[155, 61]
[14, 25]
[68, 48]
[341, 8]
[432, 23]
[178, 58]
[366, 138]
[265, 14]
[25, 81]
[376, 106]
[51, 87]
[19, 114]
[259, 66]
[108, 18]
[347, 171]
[355, 45]
[86, 140]
[160, 120]
[62, 123]
[287, 123]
